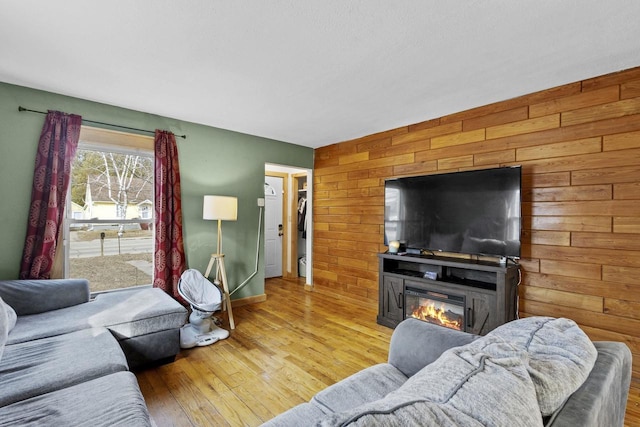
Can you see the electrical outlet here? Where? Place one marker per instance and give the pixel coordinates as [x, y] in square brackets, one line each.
[260, 201]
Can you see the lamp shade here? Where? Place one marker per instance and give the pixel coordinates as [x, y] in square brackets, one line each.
[220, 207]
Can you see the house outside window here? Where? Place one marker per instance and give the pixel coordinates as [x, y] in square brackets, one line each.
[121, 211]
[145, 210]
[109, 236]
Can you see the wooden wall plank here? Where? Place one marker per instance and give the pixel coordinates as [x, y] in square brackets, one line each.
[417, 168]
[569, 133]
[375, 163]
[621, 274]
[560, 149]
[600, 112]
[580, 286]
[619, 77]
[592, 208]
[630, 89]
[495, 157]
[581, 100]
[622, 308]
[499, 118]
[619, 241]
[579, 147]
[353, 158]
[573, 269]
[427, 133]
[553, 179]
[458, 138]
[595, 256]
[608, 175]
[630, 190]
[624, 224]
[455, 162]
[585, 161]
[584, 317]
[375, 144]
[597, 334]
[576, 192]
[567, 299]
[526, 100]
[523, 127]
[460, 150]
[601, 224]
[405, 148]
[424, 125]
[621, 141]
[554, 238]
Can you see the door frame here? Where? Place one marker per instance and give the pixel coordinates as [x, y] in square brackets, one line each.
[295, 179]
[285, 226]
[291, 215]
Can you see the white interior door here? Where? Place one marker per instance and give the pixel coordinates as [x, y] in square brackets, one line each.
[273, 226]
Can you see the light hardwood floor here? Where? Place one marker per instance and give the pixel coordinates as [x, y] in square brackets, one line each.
[281, 353]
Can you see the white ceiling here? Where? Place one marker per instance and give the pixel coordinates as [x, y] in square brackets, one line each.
[311, 72]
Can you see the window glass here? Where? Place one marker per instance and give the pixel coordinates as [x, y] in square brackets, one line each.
[109, 235]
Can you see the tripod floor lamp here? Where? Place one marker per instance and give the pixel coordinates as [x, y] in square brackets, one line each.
[220, 208]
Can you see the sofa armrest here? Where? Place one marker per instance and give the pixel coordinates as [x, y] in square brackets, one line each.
[38, 296]
[602, 398]
[415, 344]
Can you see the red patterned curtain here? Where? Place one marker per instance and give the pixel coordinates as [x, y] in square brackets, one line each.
[56, 149]
[169, 253]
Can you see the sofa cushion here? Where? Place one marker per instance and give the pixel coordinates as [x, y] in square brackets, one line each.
[415, 344]
[138, 312]
[300, 415]
[41, 366]
[112, 400]
[561, 356]
[126, 313]
[40, 295]
[366, 386]
[483, 383]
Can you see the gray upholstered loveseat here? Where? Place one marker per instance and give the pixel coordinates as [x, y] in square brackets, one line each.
[65, 358]
[535, 371]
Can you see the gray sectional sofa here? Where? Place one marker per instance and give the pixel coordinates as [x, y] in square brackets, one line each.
[65, 358]
[536, 371]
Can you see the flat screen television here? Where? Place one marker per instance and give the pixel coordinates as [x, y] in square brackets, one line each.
[473, 212]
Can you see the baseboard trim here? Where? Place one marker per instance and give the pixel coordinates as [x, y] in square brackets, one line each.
[248, 300]
[338, 296]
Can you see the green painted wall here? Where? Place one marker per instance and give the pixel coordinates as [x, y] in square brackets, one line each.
[212, 161]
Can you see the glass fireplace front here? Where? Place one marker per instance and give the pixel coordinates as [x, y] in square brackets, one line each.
[435, 307]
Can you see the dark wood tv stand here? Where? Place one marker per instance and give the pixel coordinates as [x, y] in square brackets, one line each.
[489, 289]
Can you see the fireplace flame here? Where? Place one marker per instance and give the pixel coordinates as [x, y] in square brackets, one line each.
[431, 313]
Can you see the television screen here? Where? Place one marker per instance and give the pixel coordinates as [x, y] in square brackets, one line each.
[473, 212]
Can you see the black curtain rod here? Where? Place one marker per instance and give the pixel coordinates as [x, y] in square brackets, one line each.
[102, 123]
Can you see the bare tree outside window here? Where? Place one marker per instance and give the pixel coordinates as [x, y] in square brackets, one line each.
[110, 226]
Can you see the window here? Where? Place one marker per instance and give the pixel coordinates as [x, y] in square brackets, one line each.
[145, 211]
[109, 224]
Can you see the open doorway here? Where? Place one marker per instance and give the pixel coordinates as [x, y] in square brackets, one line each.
[274, 223]
[293, 228]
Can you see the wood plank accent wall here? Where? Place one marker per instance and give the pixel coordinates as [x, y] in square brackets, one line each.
[579, 147]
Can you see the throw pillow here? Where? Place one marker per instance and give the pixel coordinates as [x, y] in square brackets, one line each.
[561, 356]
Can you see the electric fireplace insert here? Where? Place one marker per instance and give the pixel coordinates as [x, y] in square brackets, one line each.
[436, 307]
